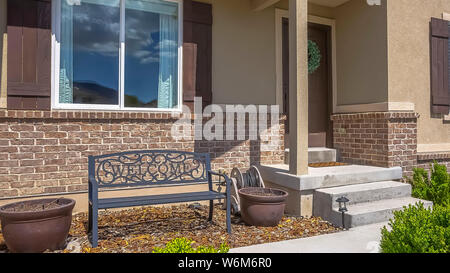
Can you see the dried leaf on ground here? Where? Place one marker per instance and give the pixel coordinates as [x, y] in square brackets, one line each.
[139, 230]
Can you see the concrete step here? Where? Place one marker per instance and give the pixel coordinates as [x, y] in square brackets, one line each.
[316, 155]
[328, 177]
[320, 155]
[362, 193]
[372, 212]
[369, 203]
[349, 175]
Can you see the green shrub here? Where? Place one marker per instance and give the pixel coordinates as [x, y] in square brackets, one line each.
[183, 245]
[435, 187]
[418, 230]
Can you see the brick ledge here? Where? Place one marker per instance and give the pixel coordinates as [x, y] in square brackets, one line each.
[376, 115]
[433, 156]
[77, 114]
[97, 115]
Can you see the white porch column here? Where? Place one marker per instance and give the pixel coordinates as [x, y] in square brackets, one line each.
[298, 86]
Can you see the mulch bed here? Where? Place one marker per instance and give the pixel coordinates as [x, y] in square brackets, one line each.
[139, 230]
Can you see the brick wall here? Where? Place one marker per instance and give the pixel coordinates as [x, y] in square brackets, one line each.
[227, 154]
[46, 152]
[386, 139]
[425, 159]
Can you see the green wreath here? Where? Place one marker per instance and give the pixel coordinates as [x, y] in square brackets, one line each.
[314, 57]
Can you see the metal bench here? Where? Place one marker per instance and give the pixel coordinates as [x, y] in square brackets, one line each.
[146, 168]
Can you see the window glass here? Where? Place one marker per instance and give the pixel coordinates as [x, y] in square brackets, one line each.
[90, 42]
[151, 52]
[89, 58]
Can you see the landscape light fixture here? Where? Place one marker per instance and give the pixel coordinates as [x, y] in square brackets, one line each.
[343, 208]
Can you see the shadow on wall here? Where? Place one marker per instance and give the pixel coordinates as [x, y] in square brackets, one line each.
[226, 155]
[266, 147]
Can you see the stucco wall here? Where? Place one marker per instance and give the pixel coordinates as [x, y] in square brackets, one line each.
[247, 38]
[2, 54]
[361, 44]
[361, 53]
[313, 9]
[243, 53]
[320, 11]
[244, 70]
[409, 63]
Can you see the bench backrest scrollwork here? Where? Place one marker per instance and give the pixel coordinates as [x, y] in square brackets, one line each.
[143, 168]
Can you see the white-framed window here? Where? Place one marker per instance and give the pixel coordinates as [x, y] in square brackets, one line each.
[117, 55]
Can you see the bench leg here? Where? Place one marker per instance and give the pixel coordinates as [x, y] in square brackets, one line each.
[211, 210]
[93, 225]
[89, 218]
[228, 215]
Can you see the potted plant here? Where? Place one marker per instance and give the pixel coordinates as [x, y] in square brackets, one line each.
[262, 206]
[37, 225]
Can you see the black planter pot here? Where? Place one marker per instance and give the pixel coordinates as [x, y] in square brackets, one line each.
[262, 206]
[36, 231]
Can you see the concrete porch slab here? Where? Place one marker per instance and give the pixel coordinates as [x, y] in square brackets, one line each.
[328, 177]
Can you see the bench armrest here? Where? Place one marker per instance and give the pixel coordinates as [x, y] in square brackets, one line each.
[219, 174]
[93, 186]
[227, 179]
[93, 189]
[93, 182]
[228, 195]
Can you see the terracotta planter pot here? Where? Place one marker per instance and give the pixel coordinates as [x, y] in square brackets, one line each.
[261, 206]
[36, 231]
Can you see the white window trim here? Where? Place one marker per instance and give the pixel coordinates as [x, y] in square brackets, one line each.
[56, 30]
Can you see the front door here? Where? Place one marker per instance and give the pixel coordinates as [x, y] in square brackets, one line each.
[320, 94]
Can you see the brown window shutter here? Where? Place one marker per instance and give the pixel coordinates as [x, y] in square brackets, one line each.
[440, 97]
[197, 31]
[190, 72]
[29, 54]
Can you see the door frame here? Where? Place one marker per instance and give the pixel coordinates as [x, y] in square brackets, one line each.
[279, 15]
